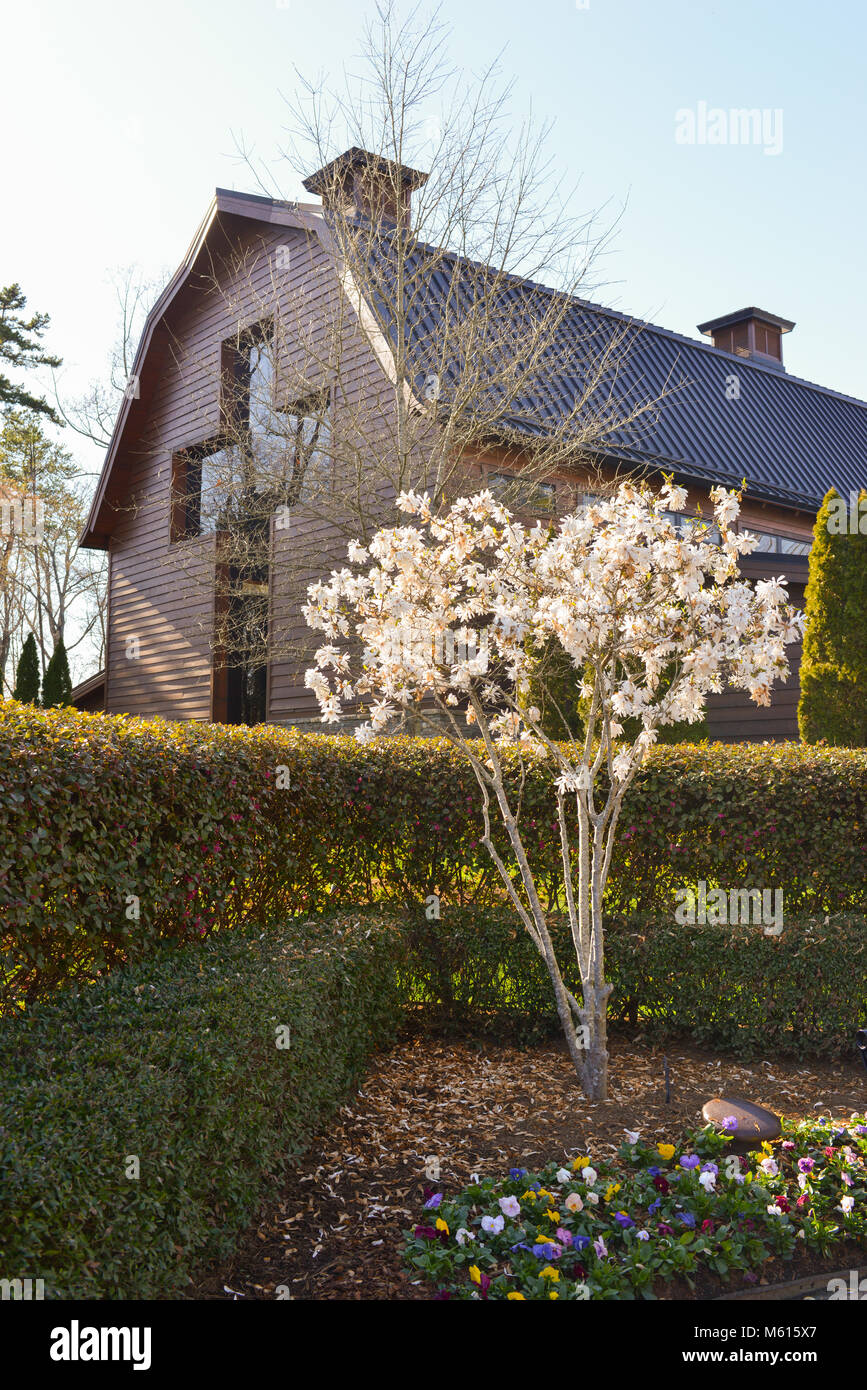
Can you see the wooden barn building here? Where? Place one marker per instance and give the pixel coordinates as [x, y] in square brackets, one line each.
[736, 414]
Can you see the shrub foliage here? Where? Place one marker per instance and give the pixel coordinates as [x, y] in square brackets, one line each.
[833, 700]
[727, 987]
[175, 1062]
[116, 833]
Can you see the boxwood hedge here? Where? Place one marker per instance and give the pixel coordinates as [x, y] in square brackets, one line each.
[728, 987]
[117, 832]
[175, 1062]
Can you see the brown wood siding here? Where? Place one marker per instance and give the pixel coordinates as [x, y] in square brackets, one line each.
[162, 592]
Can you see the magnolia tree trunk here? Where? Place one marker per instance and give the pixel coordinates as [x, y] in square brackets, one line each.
[584, 1023]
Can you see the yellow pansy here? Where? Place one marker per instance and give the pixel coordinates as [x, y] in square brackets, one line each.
[515, 1297]
[612, 1188]
[585, 1163]
[442, 1225]
[552, 1215]
[553, 1294]
[475, 1274]
[549, 1272]
[666, 1150]
[543, 1192]
[528, 1196]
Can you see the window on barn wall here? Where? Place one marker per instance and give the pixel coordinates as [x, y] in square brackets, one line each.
[228, 488]
[772, 543]
[700, 528]
[268, 454]
[522, 494]
[307, 425]
[790, 547]
[203, 481]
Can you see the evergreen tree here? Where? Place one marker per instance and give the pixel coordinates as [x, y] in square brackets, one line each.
[21, 348]
[27, 674]
[57, 686]
[833, 703]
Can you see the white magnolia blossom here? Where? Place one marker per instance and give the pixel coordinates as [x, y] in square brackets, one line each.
[447, 602]
[452, 611]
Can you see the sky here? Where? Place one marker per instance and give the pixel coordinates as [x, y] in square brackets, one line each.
[126, 117]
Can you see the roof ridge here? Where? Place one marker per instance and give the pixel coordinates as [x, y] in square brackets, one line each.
[632, 321]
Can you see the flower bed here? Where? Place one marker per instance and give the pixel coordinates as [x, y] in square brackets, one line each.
[658, 1215]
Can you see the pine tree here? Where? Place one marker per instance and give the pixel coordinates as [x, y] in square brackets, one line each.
[21, 347]
[833, 703]
[57, 686]
[27, 674]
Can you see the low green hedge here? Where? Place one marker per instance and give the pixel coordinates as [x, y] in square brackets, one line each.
[176, 1061]
[731, 987]
[117, 832]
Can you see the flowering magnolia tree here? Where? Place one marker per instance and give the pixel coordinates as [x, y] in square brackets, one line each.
[453, 613]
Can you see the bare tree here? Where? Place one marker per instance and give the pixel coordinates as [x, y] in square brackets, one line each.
[93, 414]
[419, 327]
[49, 586]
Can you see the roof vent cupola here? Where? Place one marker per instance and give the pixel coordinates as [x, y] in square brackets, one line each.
[751, 333]
[360, 183]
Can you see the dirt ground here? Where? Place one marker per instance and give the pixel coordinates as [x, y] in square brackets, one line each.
[333, 1229]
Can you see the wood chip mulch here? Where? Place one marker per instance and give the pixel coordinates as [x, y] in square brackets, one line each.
[333, 1229]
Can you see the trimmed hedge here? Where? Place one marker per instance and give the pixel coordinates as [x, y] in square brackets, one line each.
[176, 1061]
[189, 825]
[730, 987]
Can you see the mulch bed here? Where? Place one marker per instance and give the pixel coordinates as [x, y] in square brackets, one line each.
[333, 1228]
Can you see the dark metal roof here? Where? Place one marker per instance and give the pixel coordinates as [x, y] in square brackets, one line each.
[790, 439]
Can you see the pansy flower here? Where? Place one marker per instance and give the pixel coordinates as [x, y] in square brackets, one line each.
[493, 1224]
[547, 1250]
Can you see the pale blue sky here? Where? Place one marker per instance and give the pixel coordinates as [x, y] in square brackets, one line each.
[124, 117]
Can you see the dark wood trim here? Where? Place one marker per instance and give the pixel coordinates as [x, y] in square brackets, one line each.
[219, 667]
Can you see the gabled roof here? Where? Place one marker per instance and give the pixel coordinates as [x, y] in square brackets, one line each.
[791, 439]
